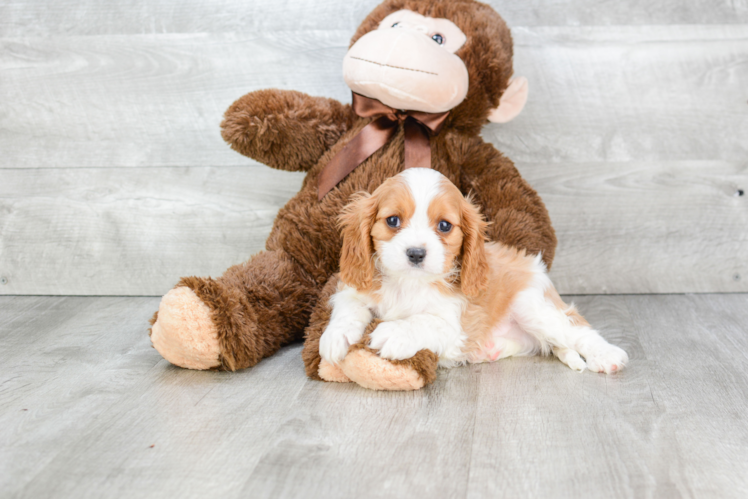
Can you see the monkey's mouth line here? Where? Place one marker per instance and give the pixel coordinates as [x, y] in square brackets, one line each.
[395, 67]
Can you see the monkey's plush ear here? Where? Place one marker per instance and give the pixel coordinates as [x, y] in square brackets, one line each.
[512, 101]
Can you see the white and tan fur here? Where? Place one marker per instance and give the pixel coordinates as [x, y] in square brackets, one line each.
[466, 300]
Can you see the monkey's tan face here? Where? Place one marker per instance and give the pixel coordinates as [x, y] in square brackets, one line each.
[409, 63]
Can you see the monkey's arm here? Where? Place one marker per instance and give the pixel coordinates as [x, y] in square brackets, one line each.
[285, 129]
[515, 212]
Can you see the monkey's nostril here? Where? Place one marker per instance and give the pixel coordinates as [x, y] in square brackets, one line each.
[416, 255]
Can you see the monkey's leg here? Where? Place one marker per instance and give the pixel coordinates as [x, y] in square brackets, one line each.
[364, 366]
[236, 320]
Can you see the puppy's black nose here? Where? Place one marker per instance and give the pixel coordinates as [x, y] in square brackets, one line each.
[416, 255]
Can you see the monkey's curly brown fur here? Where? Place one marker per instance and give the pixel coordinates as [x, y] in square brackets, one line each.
[267, 302]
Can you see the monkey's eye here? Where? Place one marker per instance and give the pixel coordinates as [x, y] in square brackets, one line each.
[445, 226]
[396, 25]
[393, 221]
[438, 38]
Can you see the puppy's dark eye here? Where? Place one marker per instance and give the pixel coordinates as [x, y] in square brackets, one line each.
[445, 226]
[438, 38]
[396, 25]
[393, 221]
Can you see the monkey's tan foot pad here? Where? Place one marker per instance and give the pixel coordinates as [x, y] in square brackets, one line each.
[183, 331]
[331, 373]
[370, 371]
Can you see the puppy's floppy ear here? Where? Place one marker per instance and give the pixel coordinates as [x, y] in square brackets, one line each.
[356, 257]
[474, 271]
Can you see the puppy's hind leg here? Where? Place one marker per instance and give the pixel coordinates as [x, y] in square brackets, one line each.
[570, 358]
[600, 356]
[507, 339]
[540, 312]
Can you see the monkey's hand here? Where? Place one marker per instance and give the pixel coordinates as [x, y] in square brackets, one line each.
[285, 129]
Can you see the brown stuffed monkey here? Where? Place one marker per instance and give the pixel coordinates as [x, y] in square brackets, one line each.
[426, 76]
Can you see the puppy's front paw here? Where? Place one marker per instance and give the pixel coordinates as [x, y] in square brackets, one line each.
[334, 343]
[393, 342]
[606, 358]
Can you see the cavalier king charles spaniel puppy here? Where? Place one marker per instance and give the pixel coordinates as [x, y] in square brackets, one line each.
[415, 255]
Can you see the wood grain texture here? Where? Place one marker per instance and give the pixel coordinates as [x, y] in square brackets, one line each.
[116, 231]
[697, 347]
[622, 228]
[147, 100]
[83, 397]
[63, 17]
[630, 93]
[63, 361]
[145, 85]
[641, 433]
[647, 227]
[341, 440]
[622, 93]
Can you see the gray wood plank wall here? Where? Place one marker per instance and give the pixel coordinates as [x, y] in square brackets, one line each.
[114, 179]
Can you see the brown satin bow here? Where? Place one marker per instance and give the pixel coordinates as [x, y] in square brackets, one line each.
[376, 134]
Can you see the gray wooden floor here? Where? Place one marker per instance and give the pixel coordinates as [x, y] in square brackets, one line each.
[87, 408]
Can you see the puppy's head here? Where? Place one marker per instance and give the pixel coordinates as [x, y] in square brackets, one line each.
[416, 225]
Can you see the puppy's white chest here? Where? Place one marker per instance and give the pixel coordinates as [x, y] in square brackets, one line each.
[404, 298]
[418, 316]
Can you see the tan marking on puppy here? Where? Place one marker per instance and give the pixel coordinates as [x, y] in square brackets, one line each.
[363, 225]
[571, 311]
[509, 272]
[447, 206]
[474, 271]
[356, 256]
[394, 199]
[464, 243]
